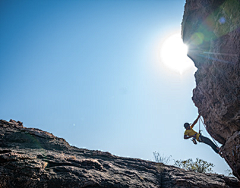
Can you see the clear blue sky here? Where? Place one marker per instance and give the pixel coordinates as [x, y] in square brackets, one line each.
[89, 71]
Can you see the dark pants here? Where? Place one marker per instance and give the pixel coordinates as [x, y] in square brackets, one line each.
[208, 142]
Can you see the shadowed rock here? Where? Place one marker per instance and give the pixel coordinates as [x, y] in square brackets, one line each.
[37, 159]
[211, 28]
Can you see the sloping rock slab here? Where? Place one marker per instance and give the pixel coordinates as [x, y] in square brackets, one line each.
[37, 159]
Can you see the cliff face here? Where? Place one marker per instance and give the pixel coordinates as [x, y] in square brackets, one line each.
[37, 159]
[211, 29]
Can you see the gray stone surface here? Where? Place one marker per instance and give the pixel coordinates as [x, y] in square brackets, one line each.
[211, 28]
[32, 158]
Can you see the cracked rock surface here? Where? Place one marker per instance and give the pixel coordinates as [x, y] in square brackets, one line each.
[211, 29]
[32, 158]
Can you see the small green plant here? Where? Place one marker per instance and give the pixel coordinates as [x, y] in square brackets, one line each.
[161, 158]
[197, 166]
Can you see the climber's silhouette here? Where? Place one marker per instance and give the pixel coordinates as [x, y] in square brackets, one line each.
[190, 133]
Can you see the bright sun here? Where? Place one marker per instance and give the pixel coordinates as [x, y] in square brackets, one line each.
[174, 54]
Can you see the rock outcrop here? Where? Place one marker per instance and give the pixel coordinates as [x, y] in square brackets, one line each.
[211, 29]
[37, 159]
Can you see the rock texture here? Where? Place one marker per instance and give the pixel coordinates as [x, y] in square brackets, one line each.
[37, 159]
[211, 28]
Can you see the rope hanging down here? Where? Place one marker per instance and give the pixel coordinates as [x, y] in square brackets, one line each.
[206, 129]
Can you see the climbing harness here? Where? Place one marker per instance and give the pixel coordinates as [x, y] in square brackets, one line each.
[194, 139]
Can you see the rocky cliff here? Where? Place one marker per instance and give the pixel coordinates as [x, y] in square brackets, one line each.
[211, 29]
[37, 159]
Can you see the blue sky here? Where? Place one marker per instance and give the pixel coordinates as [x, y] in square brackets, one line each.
[89, 71]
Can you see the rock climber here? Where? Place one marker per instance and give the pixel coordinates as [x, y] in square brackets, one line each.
[190, 133]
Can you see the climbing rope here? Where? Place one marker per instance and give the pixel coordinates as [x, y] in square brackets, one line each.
[199, 130]
[215, 142]
[224, 54]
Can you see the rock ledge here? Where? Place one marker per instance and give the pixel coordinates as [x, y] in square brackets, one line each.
[38, 159]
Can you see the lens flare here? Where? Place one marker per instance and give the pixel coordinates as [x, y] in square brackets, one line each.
[174, 54]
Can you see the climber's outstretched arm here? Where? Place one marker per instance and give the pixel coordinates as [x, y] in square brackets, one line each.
[196, 120]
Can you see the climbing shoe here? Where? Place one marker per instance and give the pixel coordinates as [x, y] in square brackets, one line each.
[194, 141]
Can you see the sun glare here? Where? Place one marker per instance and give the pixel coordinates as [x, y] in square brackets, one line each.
[174, 54]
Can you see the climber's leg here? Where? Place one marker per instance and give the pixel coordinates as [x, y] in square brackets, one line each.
[209, 142]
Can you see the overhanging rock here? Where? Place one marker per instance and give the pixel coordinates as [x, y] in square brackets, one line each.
[211, 29]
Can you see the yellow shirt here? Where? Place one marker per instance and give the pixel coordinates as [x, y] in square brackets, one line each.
[191, 132]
